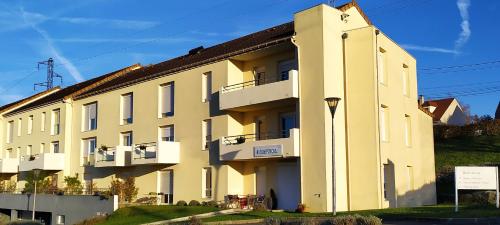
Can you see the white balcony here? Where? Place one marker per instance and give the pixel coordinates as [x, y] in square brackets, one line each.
[44, 161]
[9, 165]
[118, 156]
[257, 94]
[251, 147]
[164, 152]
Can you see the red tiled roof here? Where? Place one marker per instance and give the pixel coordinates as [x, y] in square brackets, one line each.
[441, 106]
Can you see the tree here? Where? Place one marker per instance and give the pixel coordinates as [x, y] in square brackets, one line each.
[73, 185]
[43, 183]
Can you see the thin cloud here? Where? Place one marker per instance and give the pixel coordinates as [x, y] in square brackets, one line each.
[113, 23]
[72, 70]
[463, 37]
[124, 40]
[429, 49]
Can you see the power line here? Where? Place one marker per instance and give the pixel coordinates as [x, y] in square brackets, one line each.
[460, 85]
[461, 66]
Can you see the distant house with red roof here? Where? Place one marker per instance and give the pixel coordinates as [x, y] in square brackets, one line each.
[446, 111]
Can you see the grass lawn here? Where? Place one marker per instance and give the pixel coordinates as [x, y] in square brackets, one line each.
[467, 151]
[145, 214]
[439, 211]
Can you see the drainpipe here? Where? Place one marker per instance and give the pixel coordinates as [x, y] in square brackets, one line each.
[380, 167]
[344, 37]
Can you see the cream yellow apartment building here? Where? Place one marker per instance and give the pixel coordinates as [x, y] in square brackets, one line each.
[245, 117]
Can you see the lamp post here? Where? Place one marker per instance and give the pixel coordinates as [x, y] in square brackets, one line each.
[36, 173]
[332, 103]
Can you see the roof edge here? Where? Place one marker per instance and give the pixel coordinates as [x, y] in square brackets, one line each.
[355, 4]
[29, 99]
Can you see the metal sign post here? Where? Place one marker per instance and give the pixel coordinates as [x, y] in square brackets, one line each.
[476, 178]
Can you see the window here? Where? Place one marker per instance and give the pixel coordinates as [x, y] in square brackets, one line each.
[167, 133]
[61, 219]
[167, 99]
[30, 124]
[206, 182]
[408, 130]
[19, 126]
[127, 103]
[89, 146]
[10, 131]
[42, 121]
[284, 68]
[411, 185]
[384, 123]
[29, 150]
[127, 138]
[206, 134]
[406, 80]
[259, 74]
[55, 147]
[56, 122]
[42, 148]
[206, 87]
[90, 117]
[381, 66]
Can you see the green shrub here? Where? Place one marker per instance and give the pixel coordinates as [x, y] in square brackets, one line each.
[212, 203]
[194, 203]
[309, 221]
[7, 186]
[260, 207]
[147, 200]
[4, 219]
[181, 203]
[194, 221]
[272, 221]
[93, 221]
[356, 220]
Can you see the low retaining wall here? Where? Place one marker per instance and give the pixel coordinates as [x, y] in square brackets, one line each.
[72, 208]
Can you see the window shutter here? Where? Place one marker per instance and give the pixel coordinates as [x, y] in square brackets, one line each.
[93, 111]
[127, 106]
[167, 97]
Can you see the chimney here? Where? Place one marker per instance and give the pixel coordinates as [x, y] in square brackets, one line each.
[420, 100]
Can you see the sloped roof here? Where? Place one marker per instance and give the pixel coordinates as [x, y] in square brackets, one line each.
[26, 100]
[76, 88]
[261, 39]
[441, 107]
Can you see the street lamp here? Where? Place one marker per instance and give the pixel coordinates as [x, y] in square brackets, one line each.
[36, 173]
[332, 103]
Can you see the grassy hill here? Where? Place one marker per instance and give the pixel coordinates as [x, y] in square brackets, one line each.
[467, 151]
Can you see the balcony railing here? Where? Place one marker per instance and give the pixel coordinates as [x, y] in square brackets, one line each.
[263, 79]
[240, 139]
[43, 161]
[163, 152]
[261, 92]
[282, 144]
[113, 156]
[145, 151]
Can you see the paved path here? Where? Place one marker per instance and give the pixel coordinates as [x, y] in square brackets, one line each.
[200, 216]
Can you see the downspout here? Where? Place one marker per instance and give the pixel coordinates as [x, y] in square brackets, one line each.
[380, 167]
[348, 165]
[299, 117]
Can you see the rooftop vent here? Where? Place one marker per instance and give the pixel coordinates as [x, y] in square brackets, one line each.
[196, 50]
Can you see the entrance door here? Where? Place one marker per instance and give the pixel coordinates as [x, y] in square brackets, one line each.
[167, 186]
[389, 185]
[261, 180]
[288, 186]
[260, 128]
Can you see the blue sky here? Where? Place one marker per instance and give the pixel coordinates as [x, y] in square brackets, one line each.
[89, 38]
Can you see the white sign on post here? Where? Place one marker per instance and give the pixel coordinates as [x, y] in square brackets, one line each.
[476, 178]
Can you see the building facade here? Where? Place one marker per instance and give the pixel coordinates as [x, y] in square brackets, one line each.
[247, 117]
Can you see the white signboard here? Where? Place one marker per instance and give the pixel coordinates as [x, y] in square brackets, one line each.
[475, 178]
[268, 151]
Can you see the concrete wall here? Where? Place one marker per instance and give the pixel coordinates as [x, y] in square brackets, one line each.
[76, 208]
